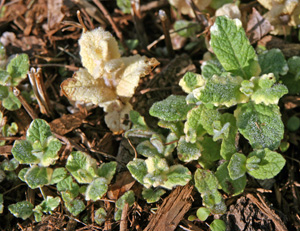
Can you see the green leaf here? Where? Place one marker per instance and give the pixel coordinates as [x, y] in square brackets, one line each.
[230, 186]
[22, 173]
[39, 130]
[75, 206]
[47, 205]
[218, 225]
[127, 197]
[138, 169]
[107, 170]
[96, 189]
[5, 78]
[11, 102]
[193, 126]
[260, 124]
[273, 61]
[171, 143]
[10, 165]
[210, 151]
[58, 175]
[264, 164]
[22, 152]
[237, 166]
[205, 181]
[221, 90]
[2, 48]
[188, 151]
[177, 175]
[3, 92]
[175, 127]
[173, 108]
[22, 209]
[12, 129]
[232, 48]
[100, 216]
[152, 195]
[186, 28]
[68, 185]
[203, 213]
[214, 202]
[266, 91]
[1, 203]
[211, 67]
[158, 141]
[50, 152]
[124, 5]
[293, 124]
[18, 68]
[228, 143]
[191, 81]
[82, 167]
[147, 149]
[139, 127]
[137, 119]
[38, 176]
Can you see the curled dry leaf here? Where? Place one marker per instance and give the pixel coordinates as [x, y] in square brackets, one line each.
[281, 14]
[230, 9]
[108, 80]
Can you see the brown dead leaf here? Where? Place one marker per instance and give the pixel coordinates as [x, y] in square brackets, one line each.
[123, 183]
[55, 16]
[257, 26]
[67, 123]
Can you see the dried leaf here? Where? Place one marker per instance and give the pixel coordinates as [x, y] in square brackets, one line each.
[184, 8]
[230, 9]
[257, 26]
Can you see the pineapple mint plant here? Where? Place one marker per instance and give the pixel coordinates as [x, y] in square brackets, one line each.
[236, 95]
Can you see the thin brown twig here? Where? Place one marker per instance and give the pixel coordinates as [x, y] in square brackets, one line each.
[123, 222]
[27, 107]
[135, 152]
[165, 24]
[81, 21]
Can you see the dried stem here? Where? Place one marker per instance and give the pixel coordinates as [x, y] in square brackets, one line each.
[165, 24]
[27, 107]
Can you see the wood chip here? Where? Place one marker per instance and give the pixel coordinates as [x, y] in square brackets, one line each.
[172, 210]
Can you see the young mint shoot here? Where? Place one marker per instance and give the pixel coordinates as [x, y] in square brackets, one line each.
[236, 95]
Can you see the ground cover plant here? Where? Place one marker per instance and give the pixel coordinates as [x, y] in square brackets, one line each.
[149, 115]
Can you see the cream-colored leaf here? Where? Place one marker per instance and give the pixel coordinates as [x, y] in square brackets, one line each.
[184, 8]
[135, 67]
[96, 48]
[231, 10]
[83, 87]
[117, 119]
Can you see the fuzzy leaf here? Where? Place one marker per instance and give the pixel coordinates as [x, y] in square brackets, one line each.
[221, 90]
[214, 202]
[237, 166]
[191, 81]
[50, 151]
[128, 198]
[38, 176]
[82, 167]
[138, 169]
[273, 61]
[47, 205]
[39, 130]
[158, 142]
[173, 108]
[211, 67]
[96, 189]
[177, 175]
[107, 170]
[260, 124]
[193, 126]
[22, 173]
[228, 143]
[203, 213]
[188, 151]
[175, 127]
[264, 164]
[152, 195]
[22, 152]
[68, 185]
[100, 216]
[22, 209]
[147, 149]
[18, 68]
[58, 175]
[11, 102]
[232, 48]
[9, 165]
[266, 91]
[3, 92]
[205, 181]
[230, 186]
[75, 206]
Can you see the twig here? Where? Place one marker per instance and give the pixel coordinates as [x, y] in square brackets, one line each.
[81, 21]
[199, 16]
[135, 152]
[109, 18]
[27, 107]
[123, 223]
[165, 24]
[13, 188]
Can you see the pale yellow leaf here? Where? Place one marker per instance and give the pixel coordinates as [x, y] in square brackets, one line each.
[96, 48]
[83, 87]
